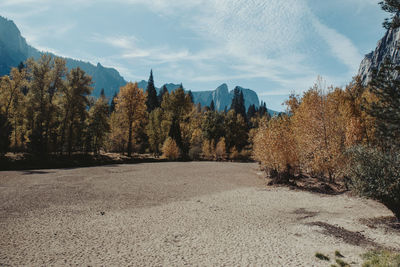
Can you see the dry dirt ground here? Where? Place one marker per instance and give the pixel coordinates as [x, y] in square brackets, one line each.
[175, 214]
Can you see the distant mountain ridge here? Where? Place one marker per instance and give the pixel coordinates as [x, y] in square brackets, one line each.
[14, 49]
[221, 96]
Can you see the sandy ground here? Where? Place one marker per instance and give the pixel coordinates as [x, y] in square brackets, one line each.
[175, 214]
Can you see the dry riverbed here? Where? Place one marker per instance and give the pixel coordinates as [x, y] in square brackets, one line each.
[174, 214]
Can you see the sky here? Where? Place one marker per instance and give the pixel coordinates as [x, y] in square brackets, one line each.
[272, 47]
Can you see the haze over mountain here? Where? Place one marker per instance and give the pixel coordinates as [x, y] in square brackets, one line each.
[14, 49]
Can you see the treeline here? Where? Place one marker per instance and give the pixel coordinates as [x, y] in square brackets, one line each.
[46, 109]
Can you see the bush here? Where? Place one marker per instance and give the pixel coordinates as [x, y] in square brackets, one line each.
[376, 174]
[381, 259]
[170, 149]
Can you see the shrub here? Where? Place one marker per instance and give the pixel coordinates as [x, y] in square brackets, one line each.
[170, 149]
[376, 174]
[381, 259]
[220, 150]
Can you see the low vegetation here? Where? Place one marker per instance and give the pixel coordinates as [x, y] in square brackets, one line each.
[381, 259]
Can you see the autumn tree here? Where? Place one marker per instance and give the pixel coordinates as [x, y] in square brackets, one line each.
[131, 106]
[74, 109]
[157, 130]
[98, 123]
[170, 149]
[220, 149]
[319, 132]
[11, 105]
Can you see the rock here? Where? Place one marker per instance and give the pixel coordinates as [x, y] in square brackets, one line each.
[388, 46]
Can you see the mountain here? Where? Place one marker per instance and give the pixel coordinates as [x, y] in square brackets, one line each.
[221, 95]
[388, 46]
[14, 49]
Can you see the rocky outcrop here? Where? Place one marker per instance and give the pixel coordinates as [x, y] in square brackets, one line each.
[388, 46]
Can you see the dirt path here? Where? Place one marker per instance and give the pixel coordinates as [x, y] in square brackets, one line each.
[174, 214]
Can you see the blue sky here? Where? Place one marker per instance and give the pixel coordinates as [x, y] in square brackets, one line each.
[273, 47]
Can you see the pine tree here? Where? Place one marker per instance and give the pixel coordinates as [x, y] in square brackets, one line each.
[175, 132]
[212, 105]
[152, 100]
[386, 110]
[163, 91]
[112, 104]
[191, 96]
[393, 7]
[238, 102]
[251, 112]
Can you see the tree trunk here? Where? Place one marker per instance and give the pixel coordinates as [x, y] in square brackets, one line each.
[130, 140]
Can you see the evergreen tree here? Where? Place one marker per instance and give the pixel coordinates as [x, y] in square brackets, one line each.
[163, 91]
[21, 66]
[112, 104]
[251, 112]
[191, 96]
[263, 111]
[152, 100]
[393, 7]
[175, 132]
[213, 126]
[212, 105]
[238, 102]
[386, 110]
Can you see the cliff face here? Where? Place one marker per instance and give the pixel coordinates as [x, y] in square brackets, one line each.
[388, 46]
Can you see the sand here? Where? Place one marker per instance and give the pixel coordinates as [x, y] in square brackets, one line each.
[176, 214]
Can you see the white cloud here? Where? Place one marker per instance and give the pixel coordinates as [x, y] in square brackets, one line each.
[341, 46]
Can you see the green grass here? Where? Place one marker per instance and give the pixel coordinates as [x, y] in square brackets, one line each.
[338, 254]
[381, 259]
[342, 263]
[322, 256]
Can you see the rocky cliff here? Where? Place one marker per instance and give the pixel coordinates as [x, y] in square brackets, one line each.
[388, 46]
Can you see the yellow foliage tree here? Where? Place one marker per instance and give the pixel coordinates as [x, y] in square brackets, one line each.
[220, 150]
[131, 109]
[275, 147]
[170, 149]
